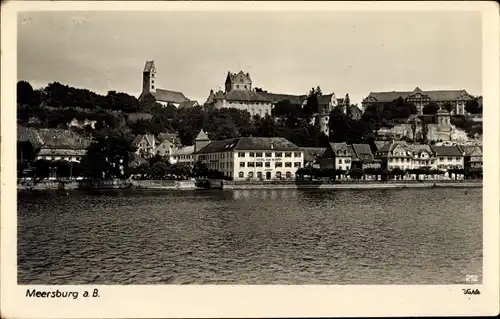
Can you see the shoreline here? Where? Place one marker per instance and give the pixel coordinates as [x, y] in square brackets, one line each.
[190, 185]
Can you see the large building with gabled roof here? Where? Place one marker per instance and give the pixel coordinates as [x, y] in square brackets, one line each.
[252, 158]
[456, 98]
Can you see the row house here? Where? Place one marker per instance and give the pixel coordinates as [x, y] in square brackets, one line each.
[337, 156]
[399, 154]
[473, 156]
[363, 158]
[253, 158]
[395, 154]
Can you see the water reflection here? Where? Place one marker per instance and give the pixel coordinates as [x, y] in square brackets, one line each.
[250, 236]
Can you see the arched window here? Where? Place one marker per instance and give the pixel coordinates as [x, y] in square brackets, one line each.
[241, 175]
[288, 175]
[278, 174]
[259, 174]
[250, 174]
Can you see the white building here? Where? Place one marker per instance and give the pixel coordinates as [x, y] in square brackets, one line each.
[182, 155]
[448, 157]
[253, 158]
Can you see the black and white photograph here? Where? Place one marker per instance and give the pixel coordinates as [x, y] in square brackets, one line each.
[249, 145]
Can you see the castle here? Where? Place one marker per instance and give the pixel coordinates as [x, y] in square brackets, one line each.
[239, 94]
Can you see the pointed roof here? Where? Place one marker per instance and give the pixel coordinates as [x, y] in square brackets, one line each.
[202, 136]
[149, 66]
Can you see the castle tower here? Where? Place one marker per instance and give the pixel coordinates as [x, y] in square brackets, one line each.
[201, 141]
[149, 78]
[238, 81]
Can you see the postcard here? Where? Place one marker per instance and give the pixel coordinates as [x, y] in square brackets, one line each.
[249, 159]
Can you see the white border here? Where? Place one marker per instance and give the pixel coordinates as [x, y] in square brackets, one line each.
[253, 301]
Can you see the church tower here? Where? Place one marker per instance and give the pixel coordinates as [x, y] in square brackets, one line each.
[149, 78]
[201, 141]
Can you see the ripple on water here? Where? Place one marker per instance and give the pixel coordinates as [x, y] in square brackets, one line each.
[250, 237]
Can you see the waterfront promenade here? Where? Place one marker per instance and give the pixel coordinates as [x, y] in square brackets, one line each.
[190, 184]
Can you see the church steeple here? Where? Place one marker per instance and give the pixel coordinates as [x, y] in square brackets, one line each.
[149, 78]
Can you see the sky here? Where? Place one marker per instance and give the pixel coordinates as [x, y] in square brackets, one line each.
[284, 52]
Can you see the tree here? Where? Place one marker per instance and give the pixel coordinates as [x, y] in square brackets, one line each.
[159, 170]
[473, 106]
[42, 169]
[430, 108]
[108, 156]
[63, 168]
[26, 95]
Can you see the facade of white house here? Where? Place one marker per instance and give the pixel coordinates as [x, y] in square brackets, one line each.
[253, 158]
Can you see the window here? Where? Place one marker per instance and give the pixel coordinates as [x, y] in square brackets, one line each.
[259, 174]
[288, 154]
[268, 164]
[340, 167]
[296, 154]
[152, 86]
[450, 158]
[251, 164]
[288, 175]
[241, 154]
[296, 164]
[278, 164]
[278, 174]
[240, 174]
[441, 158]
[269, 154]
[250, 174]
[258, 154]
[251, 154]
[347, 161]
[245, 86]
[279, 154]
[340, 161]
[258, 164]
[458, 158]
[242, 164]
[237, 86]
[288, 164]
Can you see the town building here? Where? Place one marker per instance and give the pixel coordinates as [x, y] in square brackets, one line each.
[395, 154]
[253, 158]
[423, 156]
[59, 145]
[145, 145]
[162, 96]
[182, 155]
[312, 156]
[455, 98]
[473, 156]
[362, 157]
[337, 156]
[448, 157]
[439, 130]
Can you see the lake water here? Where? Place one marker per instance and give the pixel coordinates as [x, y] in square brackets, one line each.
[402, 236]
